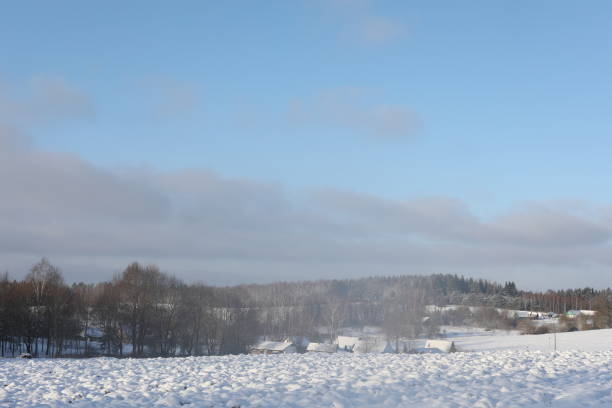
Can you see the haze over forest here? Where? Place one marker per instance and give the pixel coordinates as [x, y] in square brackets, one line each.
[292, 141]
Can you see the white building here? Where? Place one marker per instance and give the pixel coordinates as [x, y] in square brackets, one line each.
[321, 348]
[346, 343]
[375, 346]
[442, 345]
[274, 347]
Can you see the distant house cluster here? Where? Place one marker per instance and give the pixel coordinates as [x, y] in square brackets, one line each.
[274, 347]
[348, 344]
[321, 348]
[516, 314]
[572, 314]
[527, 314]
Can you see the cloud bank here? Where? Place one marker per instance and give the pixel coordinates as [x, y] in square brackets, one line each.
[43, 100]
[203, 226]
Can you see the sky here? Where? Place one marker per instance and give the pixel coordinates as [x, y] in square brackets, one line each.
[234, 142]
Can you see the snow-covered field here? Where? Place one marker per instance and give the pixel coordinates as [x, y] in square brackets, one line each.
[506, 371]
[486, 379]
[470, 339]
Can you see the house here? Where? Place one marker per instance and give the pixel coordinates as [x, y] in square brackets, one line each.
[588, 312]
[375, 346]
[346, 343]
[300, 342]
[321, 348]
[585, 314]
[572, 314]
[274, 347]
[523, 314]
[442, 345]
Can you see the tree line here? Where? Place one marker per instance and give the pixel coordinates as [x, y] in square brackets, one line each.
[141, 312]
[145, 312]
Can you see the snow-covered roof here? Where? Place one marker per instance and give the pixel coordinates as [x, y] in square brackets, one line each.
[346, 342]
[442, 345]
[524, 313]
[273, 345]
[297, 340]
[371, 346]
[321, 347]
[588, 312]
[575, 313]
[449, 308]
[371, 329]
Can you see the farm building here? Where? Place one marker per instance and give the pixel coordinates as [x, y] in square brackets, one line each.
[442, 345]
[274, 347]
[588, 312]
[346, 343]
[572, 314]
[321, 348]
[375, 346]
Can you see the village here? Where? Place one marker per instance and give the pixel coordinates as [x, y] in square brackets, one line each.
[373, 340]
[350, 344]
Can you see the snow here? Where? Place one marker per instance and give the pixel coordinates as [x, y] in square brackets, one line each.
[278, 346]
[470, 339]
[347, 342]
[442, 345]
[504, 369]
[322, 348]
[373, 345]
[485, 379]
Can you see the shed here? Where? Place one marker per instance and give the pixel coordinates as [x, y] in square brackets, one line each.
[346, 343]
[374, 346]
[274, 347]
[442, 345]
[572, 313]
[588, 312]
[321, 348]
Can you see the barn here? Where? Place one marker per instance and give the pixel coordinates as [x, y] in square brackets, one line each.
[321, 348]
[346, 343]
[374, 346]
[442, 345]
[274, 347]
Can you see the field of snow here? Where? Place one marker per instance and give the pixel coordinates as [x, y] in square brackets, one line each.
[499, 369]
[485, 379]
[472, 339]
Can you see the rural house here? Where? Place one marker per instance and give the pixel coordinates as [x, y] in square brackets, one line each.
[274, 347]
[321, 348]
[442, 345]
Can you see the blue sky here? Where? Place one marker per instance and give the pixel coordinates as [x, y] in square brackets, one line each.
[495, 104]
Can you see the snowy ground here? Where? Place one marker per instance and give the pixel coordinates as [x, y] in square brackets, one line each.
[487, 379]
[502, 369]
[477, 339]
[473, 339]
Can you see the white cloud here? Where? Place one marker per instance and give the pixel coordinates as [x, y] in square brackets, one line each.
[171, 99]
[362, 22]
[352, 109]
[378, 30]
[45, 99]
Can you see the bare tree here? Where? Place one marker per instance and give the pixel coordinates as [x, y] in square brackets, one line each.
[334, 313]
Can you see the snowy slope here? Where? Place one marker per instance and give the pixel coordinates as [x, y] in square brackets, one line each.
[488, 379]
[479, 340]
